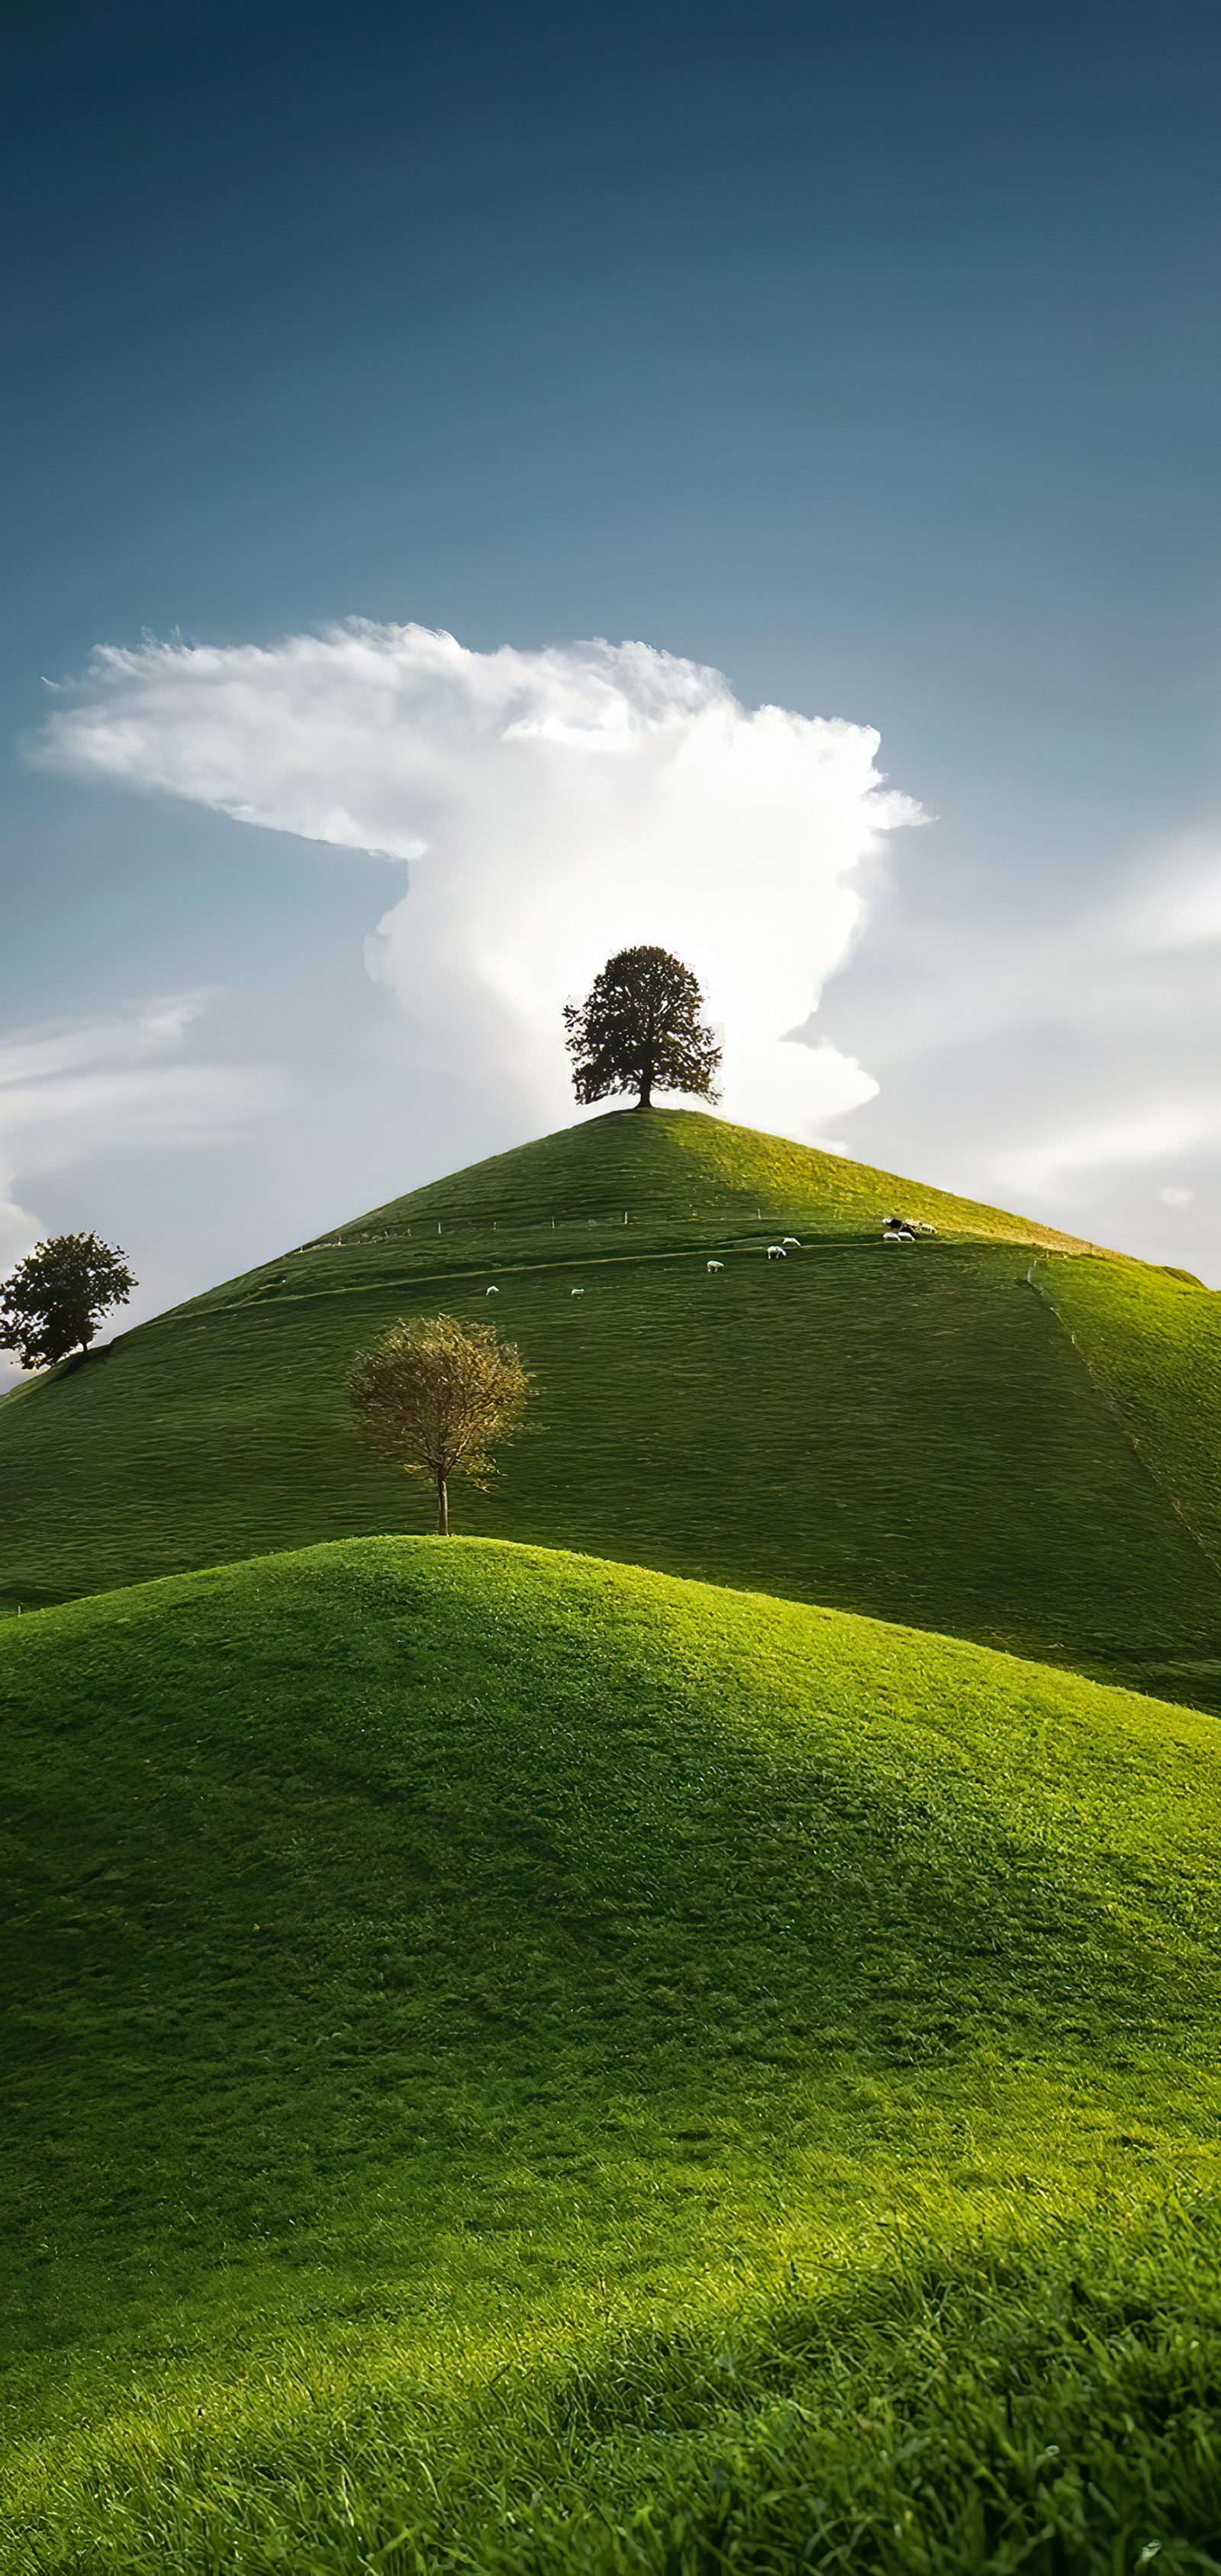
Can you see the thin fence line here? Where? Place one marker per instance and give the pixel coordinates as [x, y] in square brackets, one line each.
[713, 1213]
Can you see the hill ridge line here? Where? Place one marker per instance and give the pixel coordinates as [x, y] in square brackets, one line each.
[428, 1958]
[903, 1438]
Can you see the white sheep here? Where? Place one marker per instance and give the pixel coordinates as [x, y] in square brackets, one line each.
[491, 1292]
[776, 1252]
[894, 1234]
[794, 1240]
[576, 1292]
[715, 1265]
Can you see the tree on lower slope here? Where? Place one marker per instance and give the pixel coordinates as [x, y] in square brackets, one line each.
[639, 1028]
[437, 1394]
[56, 1298]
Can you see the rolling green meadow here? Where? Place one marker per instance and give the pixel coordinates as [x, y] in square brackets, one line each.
[677, 2031]
[907, 1432]
[517, 1992]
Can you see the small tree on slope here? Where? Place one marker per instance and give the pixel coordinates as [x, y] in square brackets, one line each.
[640, 1027]
[437, 1393]
[57, 1296]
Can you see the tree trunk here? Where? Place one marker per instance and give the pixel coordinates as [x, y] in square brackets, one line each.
[442, 1507]
[646, 1091]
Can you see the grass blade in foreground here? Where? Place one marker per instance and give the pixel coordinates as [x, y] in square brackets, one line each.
[517, 2022]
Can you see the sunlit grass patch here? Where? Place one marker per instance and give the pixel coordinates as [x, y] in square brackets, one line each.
[512, 2049]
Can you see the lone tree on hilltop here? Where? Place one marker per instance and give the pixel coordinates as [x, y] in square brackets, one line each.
[437, 1393]
[56, 1298]
[639, 1027]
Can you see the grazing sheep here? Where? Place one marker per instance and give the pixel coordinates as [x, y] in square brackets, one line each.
[491, 1292]
[794, 1240]
[576, 1292]
[776, 1252]
[715, 1265]
[897, 1234]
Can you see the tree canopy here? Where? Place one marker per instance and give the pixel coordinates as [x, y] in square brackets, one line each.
[639, 1029]
[55, 1299]
[437, 1394]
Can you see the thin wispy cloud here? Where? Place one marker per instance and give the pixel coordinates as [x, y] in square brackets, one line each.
[1061, 1058]
[552, 806]
[1149, 1133]
[112, 1086]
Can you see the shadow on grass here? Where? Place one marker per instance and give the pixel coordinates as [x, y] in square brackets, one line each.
[1047, 2407]
[346, 1886]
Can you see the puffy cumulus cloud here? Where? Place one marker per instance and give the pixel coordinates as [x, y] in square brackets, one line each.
[554, 806]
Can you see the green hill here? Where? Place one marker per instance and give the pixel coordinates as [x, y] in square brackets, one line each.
[669, 1168]
[911, 1433]
[514, 2063]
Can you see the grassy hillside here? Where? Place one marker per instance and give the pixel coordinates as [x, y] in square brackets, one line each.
[516, 2063]
[907, 1433]
[1153, 1342]
[676, 1164]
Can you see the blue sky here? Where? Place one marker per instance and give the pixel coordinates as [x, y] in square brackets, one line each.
[869, 359]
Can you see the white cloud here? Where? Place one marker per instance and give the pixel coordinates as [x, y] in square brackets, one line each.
[1053, 1050]
[1175, 900]
[18, 1232]
[1148, 1133]
[559, 804]
[171, 1018]
[71, 1095]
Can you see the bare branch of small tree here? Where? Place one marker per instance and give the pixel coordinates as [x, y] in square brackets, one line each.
[438, 1394]
[640, 1028]
[55, 1299]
